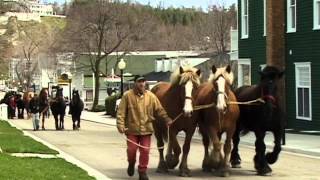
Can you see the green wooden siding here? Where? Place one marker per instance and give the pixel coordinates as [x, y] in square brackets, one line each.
[135, 64]
[305, 47]
[253, 47]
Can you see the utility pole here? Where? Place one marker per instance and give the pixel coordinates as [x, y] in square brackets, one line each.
[276, 44]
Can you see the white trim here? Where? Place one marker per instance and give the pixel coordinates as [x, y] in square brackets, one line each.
[316, 15]
[243, 16]
[240, 70]
[262, 66]
[264, 17]
[299, 65]
[289, 15]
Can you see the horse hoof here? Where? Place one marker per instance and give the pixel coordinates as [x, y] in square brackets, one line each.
[266, 171]
[162, 167]
[185, 173]
[172, 161]
[236, 163]
[271, 159]
[224, 173]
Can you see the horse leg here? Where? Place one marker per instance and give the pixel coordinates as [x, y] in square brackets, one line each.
[216, 152]
[225, 171]
[56, 121]
[162, 166]
[205, 141]
[78, 125]
[184, 170]
[43, 118]
[62, 121]
[235, 156]
[260, 162]
[173, 159]
[73, 122]
[272, 157]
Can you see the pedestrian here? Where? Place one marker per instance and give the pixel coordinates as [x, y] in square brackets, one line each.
[12, 107]
[136, 111]
[34, 108]
[20, 106]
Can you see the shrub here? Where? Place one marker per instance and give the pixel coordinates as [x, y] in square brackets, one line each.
[110, 104]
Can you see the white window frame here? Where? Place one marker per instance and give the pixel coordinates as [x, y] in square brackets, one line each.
[264, 17]
[289, 16]
[299, 65]
[243, 61]
[243, 17]
[316, 15]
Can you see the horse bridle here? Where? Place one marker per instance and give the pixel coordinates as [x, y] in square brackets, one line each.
[220, 92]
[268, 97]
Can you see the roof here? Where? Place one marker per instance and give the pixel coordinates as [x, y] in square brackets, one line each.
[158, 76]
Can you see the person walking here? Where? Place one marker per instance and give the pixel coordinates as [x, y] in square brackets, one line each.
[136, 111]
[34, 109]
[20, 106]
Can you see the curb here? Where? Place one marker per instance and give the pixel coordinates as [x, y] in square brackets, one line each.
[92, 172]
[300, 152]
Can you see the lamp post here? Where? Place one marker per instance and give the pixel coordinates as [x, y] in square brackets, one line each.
[121, 66]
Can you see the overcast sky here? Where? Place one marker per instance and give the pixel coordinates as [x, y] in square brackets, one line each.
[175, 3]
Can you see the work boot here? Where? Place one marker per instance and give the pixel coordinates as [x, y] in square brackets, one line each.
[130, 170]
[143, 176]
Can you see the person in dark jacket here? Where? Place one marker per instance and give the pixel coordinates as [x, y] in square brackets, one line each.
[34, 109]
[20, 106]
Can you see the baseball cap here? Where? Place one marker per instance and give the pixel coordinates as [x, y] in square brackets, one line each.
[139, 78]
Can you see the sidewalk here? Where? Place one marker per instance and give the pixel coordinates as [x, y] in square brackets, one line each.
[296, 143]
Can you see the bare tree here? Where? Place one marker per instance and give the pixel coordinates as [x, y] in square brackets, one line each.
[215, 27]
[100, 27]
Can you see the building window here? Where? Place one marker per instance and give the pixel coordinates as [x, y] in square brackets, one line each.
[291, 15]
[244, 18]
[316, 14]
[264, 17]
[244, 72]
[303, 91]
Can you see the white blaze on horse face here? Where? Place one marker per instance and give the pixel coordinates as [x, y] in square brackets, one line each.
[188, 108]
[221, 101]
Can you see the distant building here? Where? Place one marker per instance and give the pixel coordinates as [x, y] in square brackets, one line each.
[41, 9]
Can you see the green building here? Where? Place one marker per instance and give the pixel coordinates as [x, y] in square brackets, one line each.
[302, 55]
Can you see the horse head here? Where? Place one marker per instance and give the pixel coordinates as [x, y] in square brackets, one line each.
[188, 79]
[269, 78]
[222, 79]
[75, 95]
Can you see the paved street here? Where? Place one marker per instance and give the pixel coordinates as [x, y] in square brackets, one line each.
[101, 147]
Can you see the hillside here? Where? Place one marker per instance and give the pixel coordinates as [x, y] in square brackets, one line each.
[13, 34]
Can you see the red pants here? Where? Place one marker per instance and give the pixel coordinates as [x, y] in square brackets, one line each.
[144, 153]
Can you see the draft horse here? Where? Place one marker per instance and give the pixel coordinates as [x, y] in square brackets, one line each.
[27, 96]
[76, 108]
[219, 118]
[58, 108]
[176, 97]
[260, 118]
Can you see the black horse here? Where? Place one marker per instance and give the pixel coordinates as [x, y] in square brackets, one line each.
[58, 108]
[259, 118]
[76, 107]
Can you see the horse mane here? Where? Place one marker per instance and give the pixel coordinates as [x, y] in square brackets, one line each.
[190, 73]
[229, 77]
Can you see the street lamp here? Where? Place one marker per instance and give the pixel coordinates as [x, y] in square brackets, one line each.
[121, 66]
